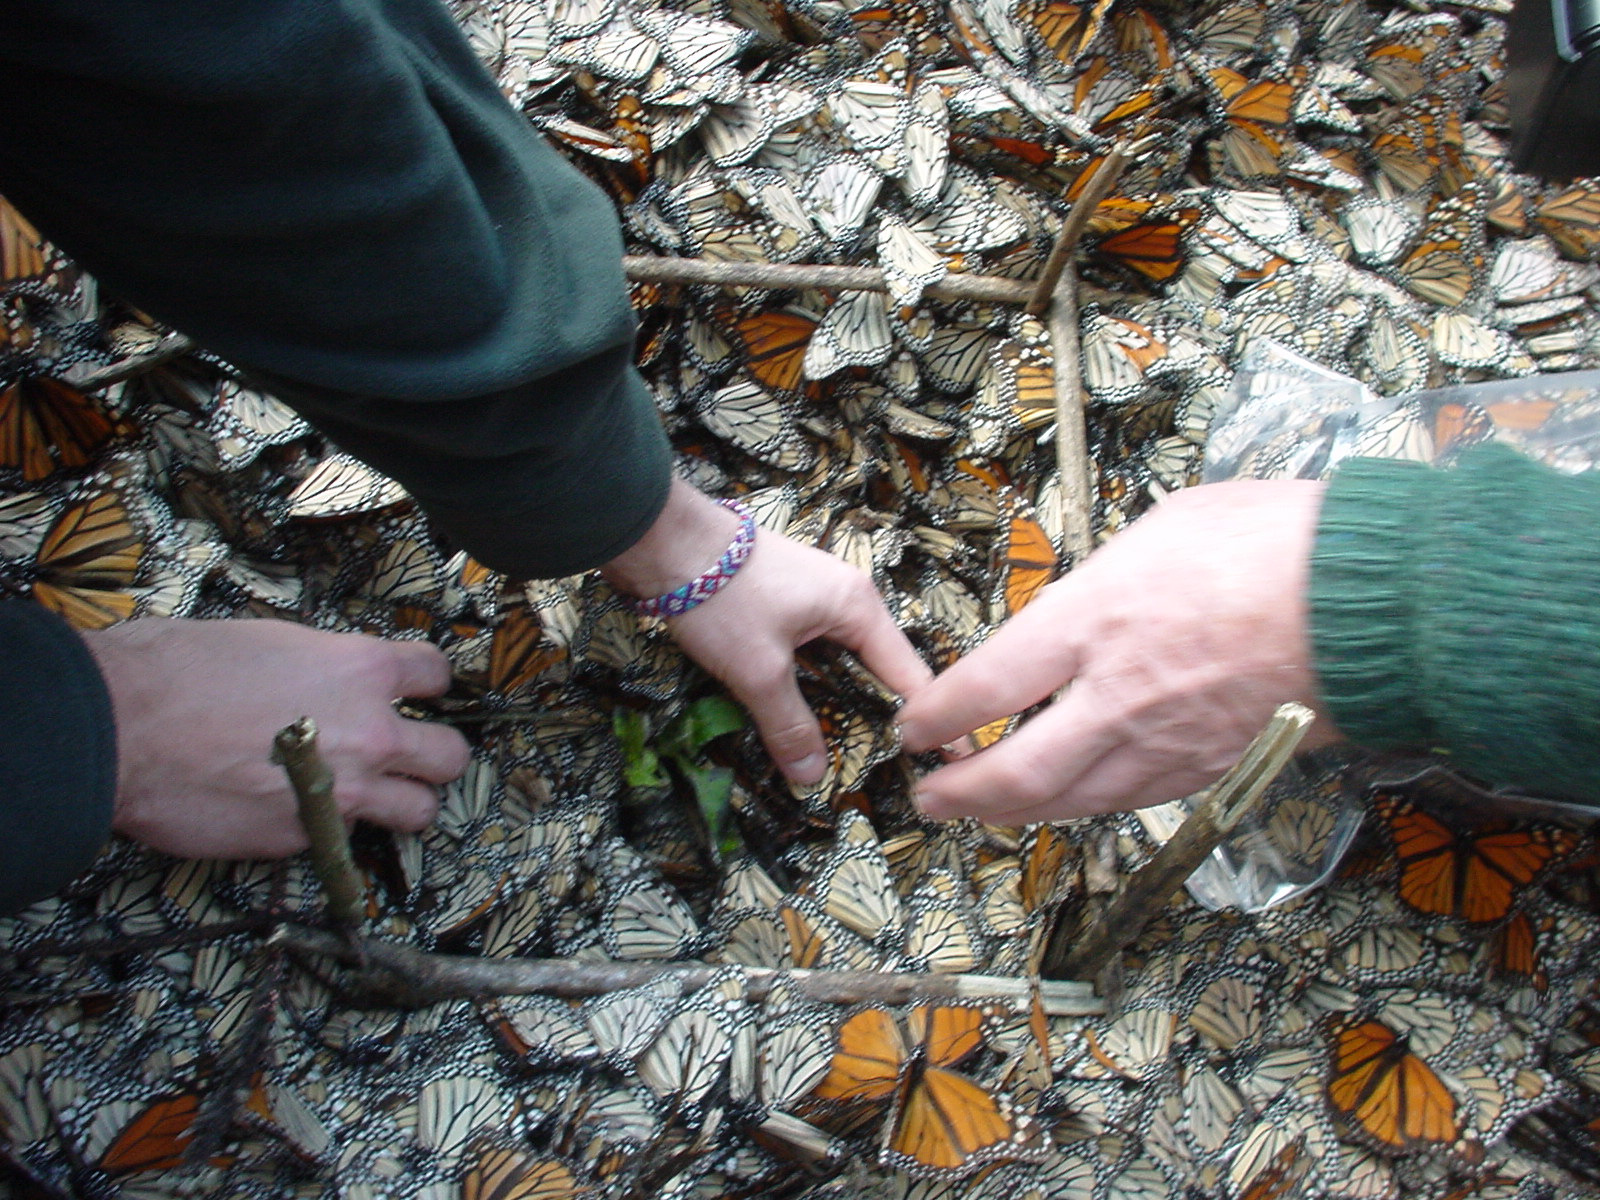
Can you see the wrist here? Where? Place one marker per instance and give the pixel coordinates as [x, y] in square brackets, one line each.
[687, 539]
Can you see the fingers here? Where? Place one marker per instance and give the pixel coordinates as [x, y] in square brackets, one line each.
[428, 751]
[420, 669]
[1032, 656]
[788, 727]
[869, 630]
[404, 805]
[1027, 771]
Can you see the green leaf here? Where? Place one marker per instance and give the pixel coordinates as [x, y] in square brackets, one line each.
[713, 786]
[709, 718]
[641, 765]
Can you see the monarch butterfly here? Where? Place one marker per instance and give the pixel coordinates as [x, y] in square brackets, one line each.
[774, 342]
[941, 934]
[624, 1023]
[1572, 218]
[854, 886]
[941, 1124]
[1028, 560]
[342, 486]
[1471, 875]
[46, 426]
[1065, 27]
[1418, 146]
[841, 194]
[1154, 247]
[507, 1173]
[1228, 1012]
[1384, 1090]
[927, 143]
[691, 1052]
[1412, 53]
[88, 562]
[157, 1137]
[1448, 263]
[1514, 952]
[853, 333]
[453, 1109]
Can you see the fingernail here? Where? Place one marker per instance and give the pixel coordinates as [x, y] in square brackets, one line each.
[807, 770]
[927, 804]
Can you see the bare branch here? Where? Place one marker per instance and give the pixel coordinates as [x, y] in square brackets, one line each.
[652, 269]
[403, 975]
[1147, 891]
[295, 750]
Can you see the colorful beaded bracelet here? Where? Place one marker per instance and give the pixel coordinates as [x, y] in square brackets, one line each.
[701, 588]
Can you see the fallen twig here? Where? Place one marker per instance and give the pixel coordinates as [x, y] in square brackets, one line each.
[295, 749]
[654, 269]
[1072, 434]
[1094, 192]
[405, 976]
[1147, 891]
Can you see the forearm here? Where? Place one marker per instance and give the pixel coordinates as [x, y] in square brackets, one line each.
[58, 762]
[1458, 610]
[338, 200]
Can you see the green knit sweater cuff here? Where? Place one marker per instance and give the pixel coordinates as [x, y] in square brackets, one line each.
[1458, 609]
[1362, 603]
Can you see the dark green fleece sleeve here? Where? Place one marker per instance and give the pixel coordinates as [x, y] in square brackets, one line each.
[58, 755]
[1459, 610]
[336, 198]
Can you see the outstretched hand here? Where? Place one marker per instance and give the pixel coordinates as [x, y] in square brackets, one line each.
[197, 704]
[1174, 643]
[783, 596]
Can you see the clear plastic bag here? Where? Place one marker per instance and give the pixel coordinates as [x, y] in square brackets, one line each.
[1289, 418]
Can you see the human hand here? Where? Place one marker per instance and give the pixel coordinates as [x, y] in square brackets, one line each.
[197, 704]
[783, 596]
[1174, 642]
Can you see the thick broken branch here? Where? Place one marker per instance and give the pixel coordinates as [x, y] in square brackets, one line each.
[403, 975]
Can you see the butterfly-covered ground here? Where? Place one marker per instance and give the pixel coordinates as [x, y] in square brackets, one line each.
[1329, 175]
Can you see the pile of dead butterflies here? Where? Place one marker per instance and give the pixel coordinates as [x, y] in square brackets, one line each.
[1329, 175]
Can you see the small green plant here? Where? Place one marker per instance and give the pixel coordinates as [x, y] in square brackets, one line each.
[678, 749]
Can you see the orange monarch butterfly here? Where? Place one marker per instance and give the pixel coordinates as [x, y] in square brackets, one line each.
[1153, 248]
[88, 562]
[1572, 218]
[507, 1173]
[46, 426]
[519, 652]
[775, 346]
[1029, 560]
[1385, 1090]
[1473, 876]
[1448, 263]
[156, 1139]
[941, 1123]
[1514, 952]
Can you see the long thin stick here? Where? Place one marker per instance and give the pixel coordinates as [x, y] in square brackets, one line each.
[653, 269]
[295, 749]
[1094, 192]
[1072, 434]
[407, 976]
[1147, 891]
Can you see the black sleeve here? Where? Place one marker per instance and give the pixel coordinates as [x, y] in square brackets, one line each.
[58, 755]
[337, 199]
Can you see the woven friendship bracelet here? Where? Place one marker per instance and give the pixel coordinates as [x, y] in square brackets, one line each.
[701, 588]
